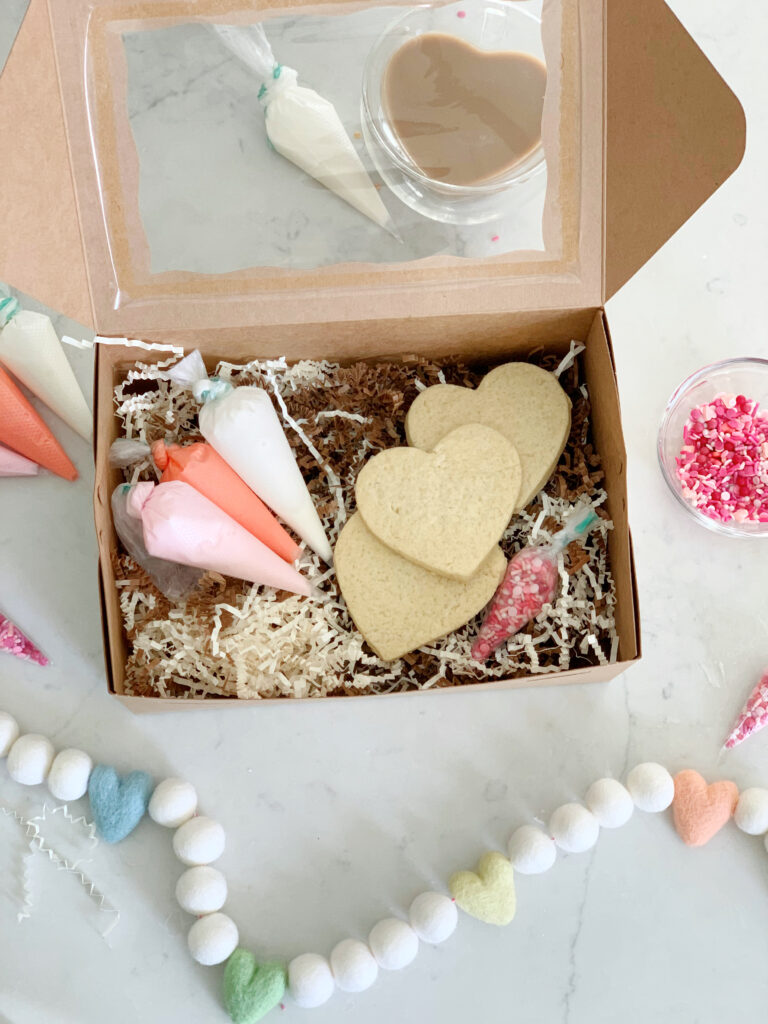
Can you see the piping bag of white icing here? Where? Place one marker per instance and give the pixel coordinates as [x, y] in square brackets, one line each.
[242, 426]
[305, 128]
[31, 350]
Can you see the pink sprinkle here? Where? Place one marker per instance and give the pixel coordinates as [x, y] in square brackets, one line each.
[495, 238]
[529, 583]
[723, 462]
[461, 14]
[17, 643]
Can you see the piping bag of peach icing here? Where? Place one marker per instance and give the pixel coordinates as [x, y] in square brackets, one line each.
[243, 427]
[180, 525]
[31, 350]
[304, 127]
[201, 466]
[530, 583]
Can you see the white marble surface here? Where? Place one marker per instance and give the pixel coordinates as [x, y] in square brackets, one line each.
[338, 813]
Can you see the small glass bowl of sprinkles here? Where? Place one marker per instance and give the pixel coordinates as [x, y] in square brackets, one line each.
[713, 446]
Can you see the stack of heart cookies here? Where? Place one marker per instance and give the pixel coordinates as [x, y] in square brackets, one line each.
[421, 555]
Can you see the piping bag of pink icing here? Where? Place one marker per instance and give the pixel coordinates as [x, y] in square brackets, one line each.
[243, 427]
[530, 583]
[175, 581]
[181, 525]
[13, 464]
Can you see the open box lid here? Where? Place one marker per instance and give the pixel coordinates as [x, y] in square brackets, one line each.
[672, 131]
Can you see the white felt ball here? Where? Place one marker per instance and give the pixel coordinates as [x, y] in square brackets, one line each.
[201, 890]
[354, 966]
[30, 758]
[574, 828]
[212, 939]
[531, 850]
[173, 802]
[9, 732]
[610, 803]
[310, 981]
[433, 917]
[651, 787]
[394, 944]
[751, 814]
[199, 841]
[69, 774]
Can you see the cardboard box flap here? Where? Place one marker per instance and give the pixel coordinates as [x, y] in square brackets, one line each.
[674, 133]
[41, 251]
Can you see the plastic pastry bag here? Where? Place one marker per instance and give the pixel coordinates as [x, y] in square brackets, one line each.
[243, 427]
[530, 583]
[201, 466]
[182, 526]
[172, 579]
[14, 641]
[305, 128]
[31, 350]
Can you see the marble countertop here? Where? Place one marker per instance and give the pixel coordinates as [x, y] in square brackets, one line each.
[337, 813]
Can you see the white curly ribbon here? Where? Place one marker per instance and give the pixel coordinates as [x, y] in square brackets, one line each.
[39, 844]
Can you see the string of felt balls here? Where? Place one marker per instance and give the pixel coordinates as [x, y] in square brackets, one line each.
[251, 989]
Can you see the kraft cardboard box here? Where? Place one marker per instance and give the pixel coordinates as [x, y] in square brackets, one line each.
[648, 130]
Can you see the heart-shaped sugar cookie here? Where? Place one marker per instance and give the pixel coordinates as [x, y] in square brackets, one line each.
[699, 810]
[398, 606]
[443, 510]
[488, 893]
[521, 401]
[251, 989]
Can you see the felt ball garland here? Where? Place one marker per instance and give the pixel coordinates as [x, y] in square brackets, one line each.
[250, 988]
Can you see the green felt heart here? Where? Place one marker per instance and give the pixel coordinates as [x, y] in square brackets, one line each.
[251, 989]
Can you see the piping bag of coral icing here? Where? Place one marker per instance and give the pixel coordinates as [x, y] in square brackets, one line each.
[243, 427]
[180, 525]
[530, 583]
[31, 350]
[304, 127]
[201, 466]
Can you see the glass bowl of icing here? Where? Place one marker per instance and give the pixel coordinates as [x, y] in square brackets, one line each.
[713, 446]
[452, 105]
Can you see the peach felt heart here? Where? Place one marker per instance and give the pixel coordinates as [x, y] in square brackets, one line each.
[488, 893]
[521, 401]
[699, 810]
[446, 509]
[398, 606]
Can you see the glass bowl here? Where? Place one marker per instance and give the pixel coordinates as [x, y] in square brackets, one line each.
[746, 376]
[492, 25]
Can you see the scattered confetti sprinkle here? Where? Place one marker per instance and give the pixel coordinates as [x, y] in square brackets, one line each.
[461, 14]
[723, 463]
[495, 238]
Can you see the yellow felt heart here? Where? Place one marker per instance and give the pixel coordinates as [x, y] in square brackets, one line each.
[488, 892]
[520, 400]
[445, 509]
[398, 606]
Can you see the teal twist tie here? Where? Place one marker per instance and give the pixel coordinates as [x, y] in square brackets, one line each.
[9, 307]
[276, 72]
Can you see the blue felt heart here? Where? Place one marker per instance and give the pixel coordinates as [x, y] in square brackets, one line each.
[117, 804]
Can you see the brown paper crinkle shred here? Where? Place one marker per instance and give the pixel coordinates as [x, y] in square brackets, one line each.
[234, 639]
